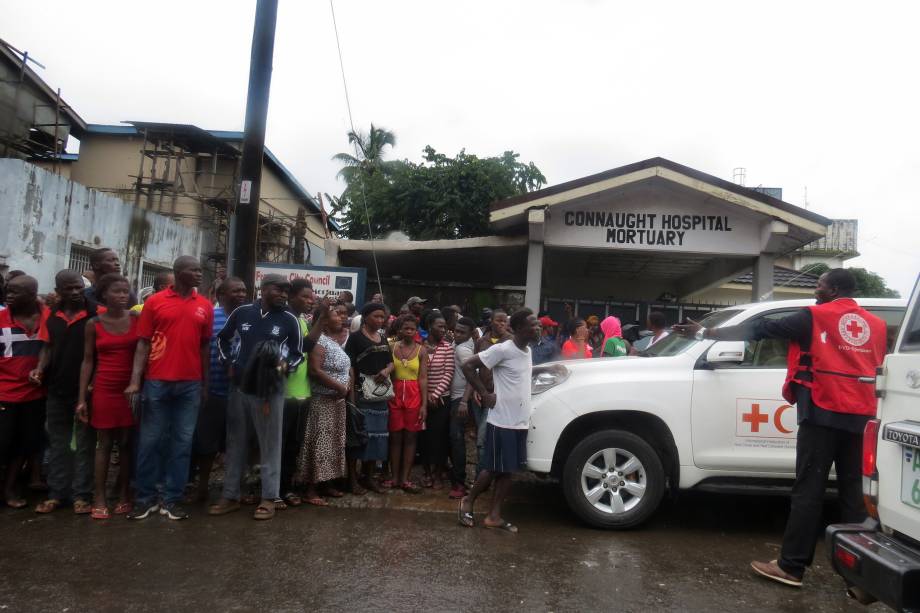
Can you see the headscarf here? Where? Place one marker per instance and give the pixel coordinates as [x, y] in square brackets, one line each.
[611, 328]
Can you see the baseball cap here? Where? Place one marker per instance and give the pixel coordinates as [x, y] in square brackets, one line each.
[547, 322]
[415, 300]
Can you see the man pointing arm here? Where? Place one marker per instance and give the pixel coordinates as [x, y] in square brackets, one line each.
[835, 348]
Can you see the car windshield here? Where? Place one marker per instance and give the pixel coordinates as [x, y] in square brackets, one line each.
[673, 344]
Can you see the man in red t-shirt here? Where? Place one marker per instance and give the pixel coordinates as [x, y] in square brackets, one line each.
[22, 403]
[173, 354]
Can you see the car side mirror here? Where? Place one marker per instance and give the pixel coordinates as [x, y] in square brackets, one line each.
[726, 352]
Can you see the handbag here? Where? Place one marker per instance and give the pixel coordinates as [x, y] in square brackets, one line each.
[372, 391]
[355, 427]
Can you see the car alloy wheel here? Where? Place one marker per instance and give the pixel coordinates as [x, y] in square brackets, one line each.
[613, 480]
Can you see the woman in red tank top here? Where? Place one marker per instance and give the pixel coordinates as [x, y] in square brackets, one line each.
[108, 357]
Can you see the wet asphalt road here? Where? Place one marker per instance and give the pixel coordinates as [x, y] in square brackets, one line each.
[693, 555]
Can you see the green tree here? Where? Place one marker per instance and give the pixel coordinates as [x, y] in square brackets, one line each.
[369, 150]
[868, 284]
[872, 285]
[441, 197]
[816, 269]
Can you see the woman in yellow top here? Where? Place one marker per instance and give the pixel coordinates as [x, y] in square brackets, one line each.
[408, 407]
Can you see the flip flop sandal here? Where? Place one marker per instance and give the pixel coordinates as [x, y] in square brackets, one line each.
[505, 526]
[388, 484]
[319, 501]
[280, 505]
[16, 503]
[81, 507]
[465, 517]
[123, 508]
[48, 506]
[263, 512]
[100, 513]
[411, 488]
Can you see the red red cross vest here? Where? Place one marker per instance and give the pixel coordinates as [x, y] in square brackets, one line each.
[847, 344]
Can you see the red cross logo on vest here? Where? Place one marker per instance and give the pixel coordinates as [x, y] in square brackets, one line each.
[853, 329]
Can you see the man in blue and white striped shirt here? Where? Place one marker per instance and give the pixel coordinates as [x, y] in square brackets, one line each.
[263, 320]
[211, 431]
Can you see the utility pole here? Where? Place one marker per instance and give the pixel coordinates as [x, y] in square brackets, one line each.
[245, 222]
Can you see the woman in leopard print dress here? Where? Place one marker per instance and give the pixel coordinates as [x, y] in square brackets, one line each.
[322, 457]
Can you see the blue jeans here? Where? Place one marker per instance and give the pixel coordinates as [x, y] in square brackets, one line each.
[479, 415]
[168, 423]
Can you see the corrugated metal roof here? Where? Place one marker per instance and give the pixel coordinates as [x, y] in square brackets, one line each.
[784, 277]
[191, 137]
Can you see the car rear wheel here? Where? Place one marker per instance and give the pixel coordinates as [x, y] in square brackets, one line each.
[613, 479]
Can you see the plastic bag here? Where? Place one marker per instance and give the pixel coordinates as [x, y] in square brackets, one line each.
[262, 377]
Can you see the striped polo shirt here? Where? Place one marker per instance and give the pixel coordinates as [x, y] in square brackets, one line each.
[217, 375]
[440, 368]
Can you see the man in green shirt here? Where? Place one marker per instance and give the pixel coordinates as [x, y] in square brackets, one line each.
[300, 301]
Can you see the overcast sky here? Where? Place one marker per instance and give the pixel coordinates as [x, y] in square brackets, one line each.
[816, 95]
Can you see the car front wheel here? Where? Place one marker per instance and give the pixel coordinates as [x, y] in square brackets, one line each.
[613, 479]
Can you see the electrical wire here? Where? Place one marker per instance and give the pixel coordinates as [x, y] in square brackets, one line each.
[367, 215]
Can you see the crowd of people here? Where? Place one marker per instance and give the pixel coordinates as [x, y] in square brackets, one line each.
[322, 396]
[315, 396]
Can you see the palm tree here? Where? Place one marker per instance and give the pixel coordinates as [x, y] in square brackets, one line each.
[369, 150]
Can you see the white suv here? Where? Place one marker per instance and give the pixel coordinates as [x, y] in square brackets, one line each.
[618, 432]
[881, 558]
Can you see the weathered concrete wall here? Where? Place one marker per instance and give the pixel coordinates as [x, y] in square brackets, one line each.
[42, 215]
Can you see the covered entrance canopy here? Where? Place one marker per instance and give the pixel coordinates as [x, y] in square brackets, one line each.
[471, 272]
[650, 232]
[651, 229]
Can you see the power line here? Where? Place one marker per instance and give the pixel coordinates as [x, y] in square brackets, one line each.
[367, 215]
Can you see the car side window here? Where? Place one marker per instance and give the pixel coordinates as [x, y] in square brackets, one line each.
[893, 319]
[911, 339]
[767, 352]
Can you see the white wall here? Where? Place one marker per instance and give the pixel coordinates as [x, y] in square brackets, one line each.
[43, 214]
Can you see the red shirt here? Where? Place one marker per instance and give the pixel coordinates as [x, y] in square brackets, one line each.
[175, 326]
[44, 335]
[570, 350]
[19, 349]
